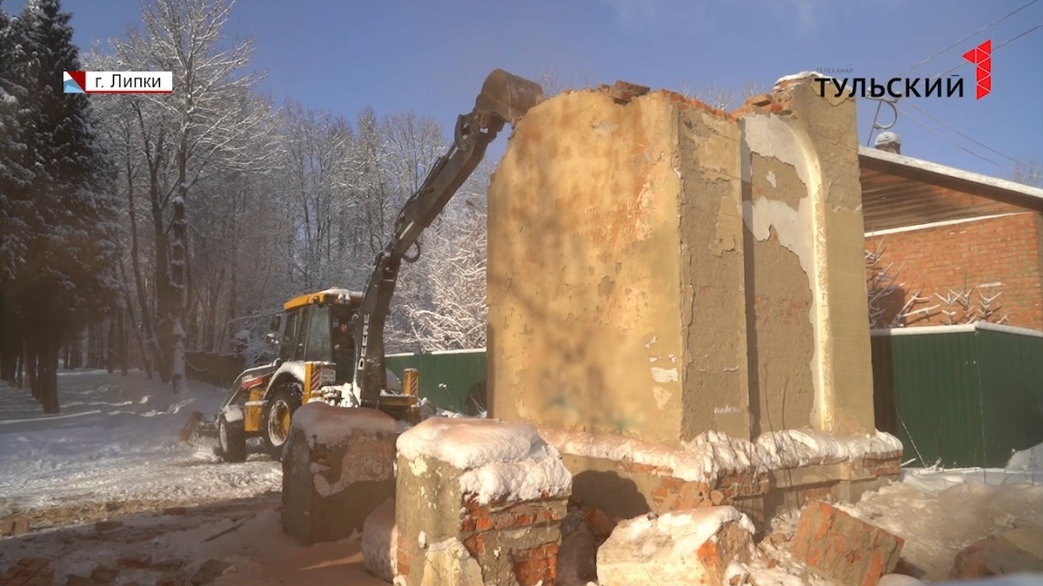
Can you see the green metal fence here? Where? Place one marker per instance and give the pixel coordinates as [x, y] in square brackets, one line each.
[962, 395]
[453, 380]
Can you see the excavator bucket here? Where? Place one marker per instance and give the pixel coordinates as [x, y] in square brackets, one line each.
[508, 96]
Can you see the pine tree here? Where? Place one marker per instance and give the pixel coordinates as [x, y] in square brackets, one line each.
[66, 279]
[14, 182]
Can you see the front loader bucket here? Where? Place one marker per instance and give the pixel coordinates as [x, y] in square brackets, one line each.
[508, 96]
[197, 427]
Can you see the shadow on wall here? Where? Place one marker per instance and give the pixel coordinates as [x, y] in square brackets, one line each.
[609, 491]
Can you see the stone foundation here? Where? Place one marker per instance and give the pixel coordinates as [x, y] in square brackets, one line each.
[626, 479]
[338, 468]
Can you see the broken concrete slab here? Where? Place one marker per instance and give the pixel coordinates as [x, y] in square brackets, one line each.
[994, 556]
[338, 468]
[840, 547]
[1028, 538]
[683, 547]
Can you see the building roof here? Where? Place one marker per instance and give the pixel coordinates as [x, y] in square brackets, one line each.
[900, 191]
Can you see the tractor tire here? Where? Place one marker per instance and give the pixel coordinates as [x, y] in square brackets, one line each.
[278, 413]
[231, 440]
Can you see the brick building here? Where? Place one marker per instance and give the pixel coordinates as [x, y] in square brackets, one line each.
[948, 246]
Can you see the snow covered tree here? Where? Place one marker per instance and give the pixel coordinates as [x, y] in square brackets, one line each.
[63, 274]
[212, 124]
[13, 183]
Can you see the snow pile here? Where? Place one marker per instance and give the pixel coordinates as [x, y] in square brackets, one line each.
[687, 531]
[800, 447]
[333, 426]
[499, 459]
[939, 516]
[712, 454]
[1030, 460]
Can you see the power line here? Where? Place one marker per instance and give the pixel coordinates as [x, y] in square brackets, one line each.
[957, 145]
[1007, 42]
[968, 37]
[975, 141]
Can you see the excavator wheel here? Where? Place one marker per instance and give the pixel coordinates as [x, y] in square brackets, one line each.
[231, 439]
[277, 416]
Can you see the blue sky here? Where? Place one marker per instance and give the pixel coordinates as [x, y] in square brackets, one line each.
[431, 56]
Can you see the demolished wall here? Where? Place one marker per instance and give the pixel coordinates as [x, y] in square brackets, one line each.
[660, 270]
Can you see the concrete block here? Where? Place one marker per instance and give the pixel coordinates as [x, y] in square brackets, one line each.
[338, 468]
[679, 548]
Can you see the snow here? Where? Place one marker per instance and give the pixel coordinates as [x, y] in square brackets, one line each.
[334, 426]
[712, 454]
[687, 530]
[940, 512]
[499, 459]
[797, 77]
[116, 439]
[1030, 460]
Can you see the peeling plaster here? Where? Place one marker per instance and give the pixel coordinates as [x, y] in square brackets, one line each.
[770, 136]
[771, 178]
[418, 466]
[662, 396]
[664, 375]
[797, 230]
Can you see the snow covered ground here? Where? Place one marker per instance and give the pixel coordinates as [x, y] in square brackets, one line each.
[114, 451]
[116, 441]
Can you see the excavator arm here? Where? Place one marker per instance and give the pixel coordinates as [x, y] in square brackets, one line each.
[504, 98]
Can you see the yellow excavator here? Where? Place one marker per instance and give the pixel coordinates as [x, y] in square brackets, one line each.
[310, 365]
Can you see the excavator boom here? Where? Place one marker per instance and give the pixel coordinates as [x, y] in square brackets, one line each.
[505, 98]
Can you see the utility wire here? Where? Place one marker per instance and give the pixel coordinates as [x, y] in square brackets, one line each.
[1008, 41]
[975, 141]
[983, 145]
[957, 145]
[964, 39]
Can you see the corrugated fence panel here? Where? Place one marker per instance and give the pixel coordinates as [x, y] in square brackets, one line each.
[1011, 371]
[937, 398]
[450, 380]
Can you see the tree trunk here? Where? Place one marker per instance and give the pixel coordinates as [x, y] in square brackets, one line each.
[47, 375]
[110, 347]
[30, 370]
[19, 371]
[146, 358]
[177, 286]
[121, 338]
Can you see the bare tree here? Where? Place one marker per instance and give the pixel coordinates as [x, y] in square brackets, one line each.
[211, 124]
[1029, 173]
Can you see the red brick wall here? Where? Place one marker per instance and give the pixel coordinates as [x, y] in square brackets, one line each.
[996, 250]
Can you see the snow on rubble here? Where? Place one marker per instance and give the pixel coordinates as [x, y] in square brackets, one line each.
[116, 439]
[498, 459]
[712, 454]
[334, 426]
